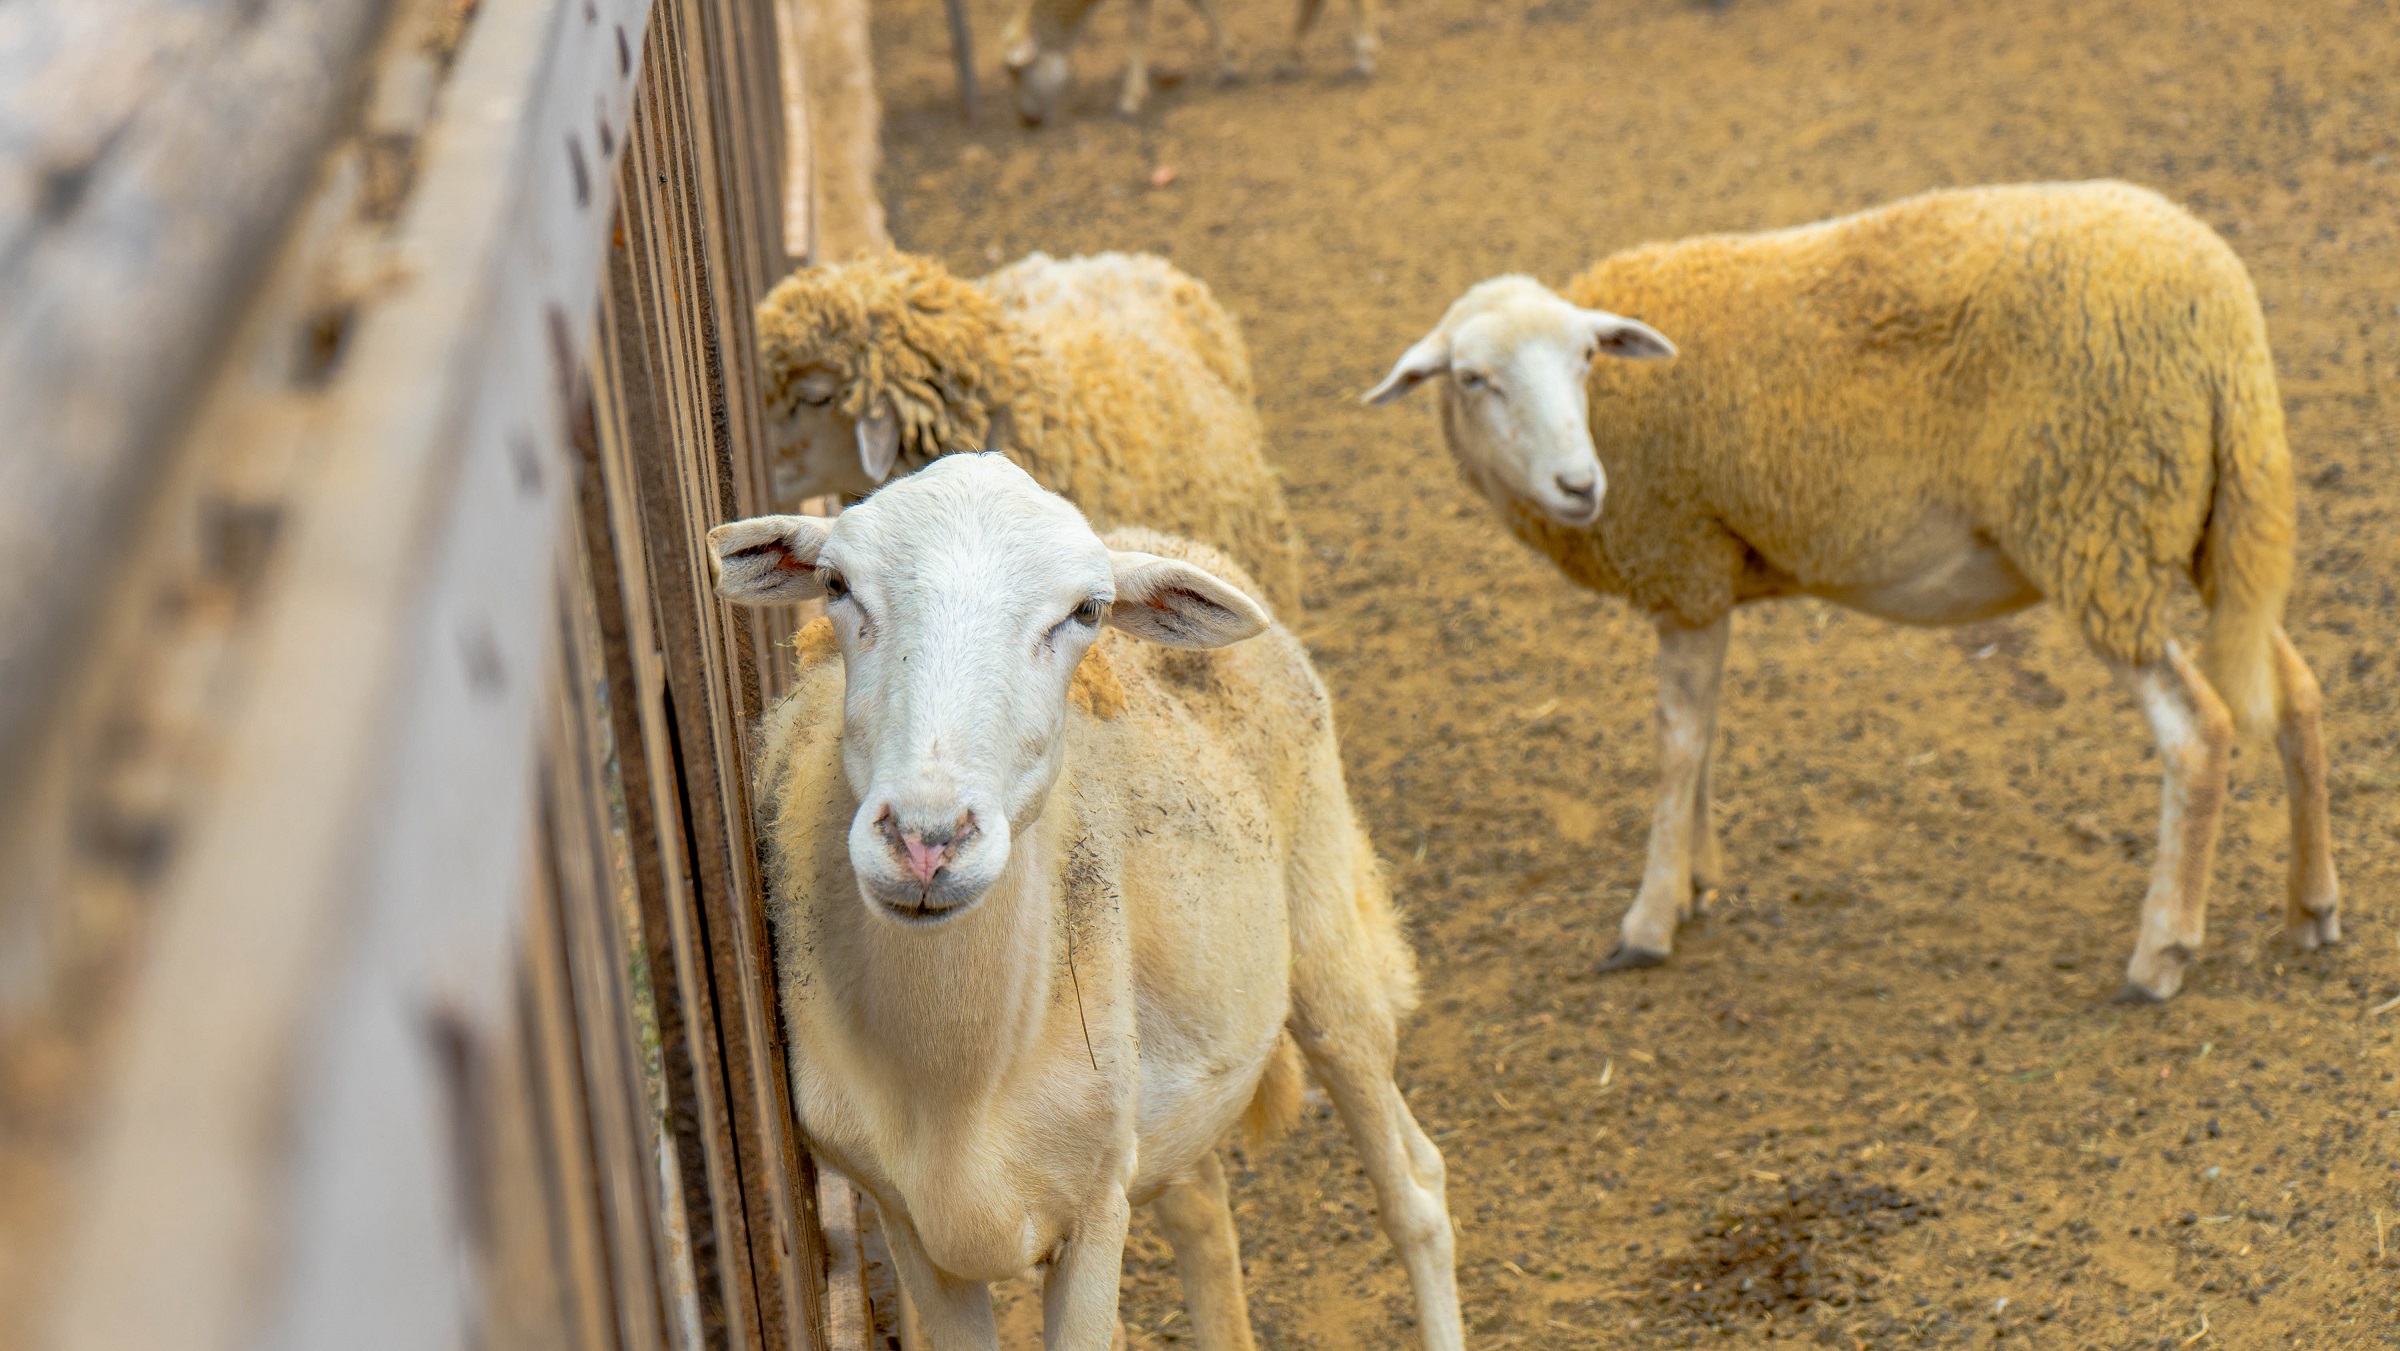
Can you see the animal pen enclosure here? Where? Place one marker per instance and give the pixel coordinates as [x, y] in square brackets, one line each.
[382, 960]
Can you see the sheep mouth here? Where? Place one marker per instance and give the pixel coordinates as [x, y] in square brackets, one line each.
[923, 908]
[1576, 511]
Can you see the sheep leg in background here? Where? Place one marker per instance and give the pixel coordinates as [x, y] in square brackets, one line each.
[1208, 1257]
[1295, 61]
[2312, 910]
[1363, 42]
[1137, 58]
[1691, 665]
[1222, 48]
[949, 1315]
[1079, 1292]
[2195, 744]
[962, 54]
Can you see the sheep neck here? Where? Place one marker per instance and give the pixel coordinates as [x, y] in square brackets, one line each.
[956, 1011]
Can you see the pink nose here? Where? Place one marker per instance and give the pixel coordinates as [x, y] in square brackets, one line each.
[924, 860]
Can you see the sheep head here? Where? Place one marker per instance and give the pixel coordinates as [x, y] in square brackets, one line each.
[877, 366]
[963, 598]
[1514, 356]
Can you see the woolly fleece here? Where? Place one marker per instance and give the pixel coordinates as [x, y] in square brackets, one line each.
[1116, 381]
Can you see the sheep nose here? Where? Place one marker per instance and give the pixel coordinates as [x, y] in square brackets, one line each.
[1581, 490]
[924, 851]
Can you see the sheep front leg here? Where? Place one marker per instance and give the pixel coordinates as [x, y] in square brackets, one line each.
[1208, 1257]
[1137, 58]
[1691, 665]
[2312, 911]
[2195, 744]
[951, 1315]
[1079, 1295]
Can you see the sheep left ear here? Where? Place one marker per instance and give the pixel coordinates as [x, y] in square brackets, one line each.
[769, 560]
[878, 442]
[1630, 339]
[1429, 358]
[1167, 600]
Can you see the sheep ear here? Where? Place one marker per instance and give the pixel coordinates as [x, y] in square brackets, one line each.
[1429, 358]
[1167, 600]
[1630, 339]
[878, 442]
[769, 560]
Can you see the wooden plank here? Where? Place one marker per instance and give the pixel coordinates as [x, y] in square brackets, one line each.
[363, 866]
[128, 242]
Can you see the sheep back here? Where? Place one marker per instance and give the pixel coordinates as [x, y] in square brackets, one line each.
[2078, 372]
[1116, 381]
[1141, 404]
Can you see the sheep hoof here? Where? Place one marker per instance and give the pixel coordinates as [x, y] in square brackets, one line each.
[1290, 68]
[1229, 76]
[1626, 957]
[2130, 993]
[2311, 932]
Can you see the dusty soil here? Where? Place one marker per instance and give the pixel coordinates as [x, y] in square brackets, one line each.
[1878, 1098]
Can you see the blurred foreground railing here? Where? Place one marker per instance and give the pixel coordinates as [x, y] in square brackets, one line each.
[382, 960]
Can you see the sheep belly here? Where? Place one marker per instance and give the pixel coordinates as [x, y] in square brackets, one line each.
[1946, 574]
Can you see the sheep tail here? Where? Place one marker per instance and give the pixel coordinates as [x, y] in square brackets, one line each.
[1276, 1105]
[2244, 567]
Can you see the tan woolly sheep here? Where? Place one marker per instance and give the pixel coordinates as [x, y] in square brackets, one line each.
[1115, 380]
[1937, 411]
[1062, 872]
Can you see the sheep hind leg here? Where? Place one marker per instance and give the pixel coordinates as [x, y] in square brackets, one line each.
[1208, 1257]
[1355, 1064]
[2195, 745]
[1137, 58]
[1691, 667]
[2312, 911]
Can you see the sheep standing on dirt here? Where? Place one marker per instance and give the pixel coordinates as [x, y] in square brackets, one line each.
[1936, 412]
[1043, 34]
[1115, 380]
[1052, 905]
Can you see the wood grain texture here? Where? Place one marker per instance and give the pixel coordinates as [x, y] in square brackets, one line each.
[150, 154]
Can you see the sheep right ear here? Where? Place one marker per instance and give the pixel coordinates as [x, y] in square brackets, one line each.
[1429, 358]
[1169, 601]
[769, 560]
[878, 442]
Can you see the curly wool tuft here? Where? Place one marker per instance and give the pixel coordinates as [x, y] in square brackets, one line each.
[1115, 380]
[899, 328]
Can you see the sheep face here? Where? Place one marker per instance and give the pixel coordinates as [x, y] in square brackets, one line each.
[834, 453]
[963, 597]
[1514, 357]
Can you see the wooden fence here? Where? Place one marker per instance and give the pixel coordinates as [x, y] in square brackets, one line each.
[382, 957]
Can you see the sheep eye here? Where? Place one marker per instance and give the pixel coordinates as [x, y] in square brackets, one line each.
[1088, 613]
[836, 585]
[818, 389]
[1473, 380]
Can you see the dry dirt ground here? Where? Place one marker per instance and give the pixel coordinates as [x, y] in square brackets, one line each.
[1879, 1098]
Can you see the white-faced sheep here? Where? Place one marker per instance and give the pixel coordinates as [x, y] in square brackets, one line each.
[1061, 868]
[1115, 380]
[1936, 412]
[1041, 37]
